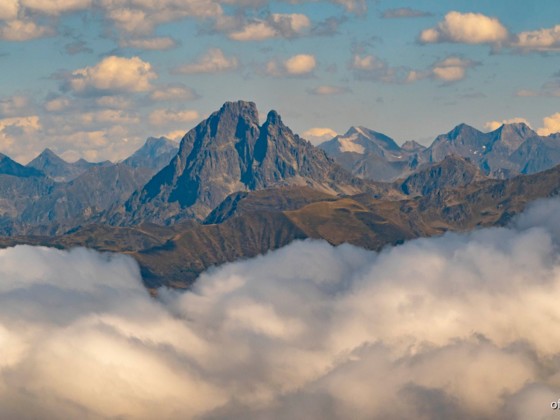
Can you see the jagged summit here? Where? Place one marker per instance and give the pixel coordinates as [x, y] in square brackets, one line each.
[412, 146]
[228, 152]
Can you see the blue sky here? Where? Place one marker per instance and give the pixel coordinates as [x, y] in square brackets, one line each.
[95, 78]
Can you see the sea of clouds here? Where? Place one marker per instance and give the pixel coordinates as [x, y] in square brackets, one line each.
[463, 326]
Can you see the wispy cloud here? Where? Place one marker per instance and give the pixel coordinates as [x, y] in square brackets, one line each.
[325, 90]
[404, 12]
[213, 61]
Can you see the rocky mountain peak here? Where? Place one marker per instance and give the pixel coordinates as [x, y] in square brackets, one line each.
[245, 110]
[513, 135]
[412, 146]
[273, 118]
[463, 130]
[231, 152]
[154, 154]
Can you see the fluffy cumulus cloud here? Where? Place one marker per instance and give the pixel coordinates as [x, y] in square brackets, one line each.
[547, 39]
[468, 28]
[12, 130]
[449, 70]
[9, 9]
[494, 125]
[318, 135]
[213, 61]
[460, 326]
[140, 17]
[551, 125]
[112, 75]
[276, 25]
[297, 65]
[23, 30]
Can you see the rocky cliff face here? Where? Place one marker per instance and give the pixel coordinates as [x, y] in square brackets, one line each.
[231, 152]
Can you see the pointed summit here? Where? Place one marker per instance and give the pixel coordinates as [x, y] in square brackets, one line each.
[511, 136]
[273, 118]
[154, 154]
[231, 152]
[57, 168]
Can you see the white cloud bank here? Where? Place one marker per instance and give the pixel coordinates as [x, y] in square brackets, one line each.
[461, 326]
[469, 28]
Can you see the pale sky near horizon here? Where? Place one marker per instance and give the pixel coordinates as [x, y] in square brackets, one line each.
[95, 78]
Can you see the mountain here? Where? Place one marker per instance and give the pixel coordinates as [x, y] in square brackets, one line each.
[267, 219]
[231, 152]
[368, 154]
[155, 154]
[361, 140]
[505, 152]
[79, 201]
[537, 153]
[412, 146]
[452, 172]
[11, 167]
[57, 168]
[463, 140]
[509, 150]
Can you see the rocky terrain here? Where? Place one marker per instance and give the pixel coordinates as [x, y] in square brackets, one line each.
[510, 150]
[235, 189]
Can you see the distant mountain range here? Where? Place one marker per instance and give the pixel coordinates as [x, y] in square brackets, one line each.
[51, 196]
[510, 150]
[235, 188]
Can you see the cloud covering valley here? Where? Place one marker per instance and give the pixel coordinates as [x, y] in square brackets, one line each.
[460, 326]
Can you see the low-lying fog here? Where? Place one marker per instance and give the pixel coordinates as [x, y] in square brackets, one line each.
[461, 326]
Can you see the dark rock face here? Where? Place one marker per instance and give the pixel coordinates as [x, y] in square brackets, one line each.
[226, 153]
[452, 172]
[155, 154]
[11, 167]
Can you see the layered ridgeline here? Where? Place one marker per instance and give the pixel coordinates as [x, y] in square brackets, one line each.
[50, 196]
[510, 150]
[59, 170]
[228, 152]
[235, 188]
